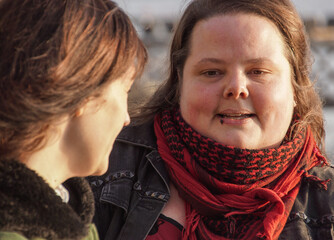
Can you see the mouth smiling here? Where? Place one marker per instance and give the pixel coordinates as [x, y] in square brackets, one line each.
[237, 116]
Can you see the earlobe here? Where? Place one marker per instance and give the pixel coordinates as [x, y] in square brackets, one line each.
[79, 112]
[90, 105]
[82, 108]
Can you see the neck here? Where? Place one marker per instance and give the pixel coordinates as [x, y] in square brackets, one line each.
[50, 165]
[50, 162]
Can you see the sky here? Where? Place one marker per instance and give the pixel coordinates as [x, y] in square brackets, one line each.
[173, 8]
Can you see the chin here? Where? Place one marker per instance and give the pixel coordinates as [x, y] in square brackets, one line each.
[237, 141]
[229, 141]
[102, 168]
[237, 144]
[101, 171]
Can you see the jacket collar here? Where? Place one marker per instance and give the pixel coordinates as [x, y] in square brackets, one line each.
[125, 167]
[140, 135]
[29, 206]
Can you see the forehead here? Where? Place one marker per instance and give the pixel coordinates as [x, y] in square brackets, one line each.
[237, 26]
[247, 33]
[129, 76]
[126, 79]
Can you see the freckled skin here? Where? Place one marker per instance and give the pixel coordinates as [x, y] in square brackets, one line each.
[237, 65]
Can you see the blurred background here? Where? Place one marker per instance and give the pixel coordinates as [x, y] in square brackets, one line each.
[154, 21]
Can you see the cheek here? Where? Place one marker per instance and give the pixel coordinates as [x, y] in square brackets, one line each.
[275, 104]
[117, 116]
[283, 97]
[196, 99]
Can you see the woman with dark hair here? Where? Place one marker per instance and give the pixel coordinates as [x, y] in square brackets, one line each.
[231, 145]
[65, 71]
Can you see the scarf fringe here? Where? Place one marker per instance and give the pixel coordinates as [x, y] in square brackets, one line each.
[262, 236]
[322, 184]
[193, 219]
[232, 221]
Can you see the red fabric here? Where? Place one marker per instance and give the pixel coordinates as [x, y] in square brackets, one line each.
[165, 229]
[251, 201]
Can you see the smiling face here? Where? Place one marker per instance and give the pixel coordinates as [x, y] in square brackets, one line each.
[236, 82]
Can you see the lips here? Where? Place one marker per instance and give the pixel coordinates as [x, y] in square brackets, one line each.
[236, 116]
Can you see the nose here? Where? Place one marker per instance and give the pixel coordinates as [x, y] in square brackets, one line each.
[236, 86]
[127, 119]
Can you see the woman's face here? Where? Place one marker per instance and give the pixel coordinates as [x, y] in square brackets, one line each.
[236, 82]
[91, 135]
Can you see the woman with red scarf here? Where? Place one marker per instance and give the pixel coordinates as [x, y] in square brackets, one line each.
[231, 145]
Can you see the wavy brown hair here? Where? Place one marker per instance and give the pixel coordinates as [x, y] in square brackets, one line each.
[283, 14]
[54, 54]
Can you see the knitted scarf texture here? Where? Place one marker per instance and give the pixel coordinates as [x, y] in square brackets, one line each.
[233, 193]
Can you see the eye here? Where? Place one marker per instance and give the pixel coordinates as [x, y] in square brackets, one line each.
[257, 72]
[212, 73]
[260, 71]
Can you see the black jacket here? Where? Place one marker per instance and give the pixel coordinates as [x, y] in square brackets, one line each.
[130, 197]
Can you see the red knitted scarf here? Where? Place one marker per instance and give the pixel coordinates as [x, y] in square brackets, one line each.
[233, 193]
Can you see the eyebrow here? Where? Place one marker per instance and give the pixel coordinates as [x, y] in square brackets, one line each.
[220, 61]
[260, 60]
[210, 60]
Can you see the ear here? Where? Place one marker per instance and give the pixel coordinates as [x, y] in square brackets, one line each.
[79, 112]
[90, 105]
[82, 109]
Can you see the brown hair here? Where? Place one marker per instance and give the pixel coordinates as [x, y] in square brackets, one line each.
[55, 54]
[283, 14]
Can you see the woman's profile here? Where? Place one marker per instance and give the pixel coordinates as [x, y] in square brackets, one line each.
[66, 68]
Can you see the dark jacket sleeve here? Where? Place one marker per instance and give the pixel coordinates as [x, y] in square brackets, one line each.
[312, 216]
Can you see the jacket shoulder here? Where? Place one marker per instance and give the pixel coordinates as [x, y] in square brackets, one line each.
[92, 233]
[15, 236]
[313, 197]
[325, 172]
[313, 211]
